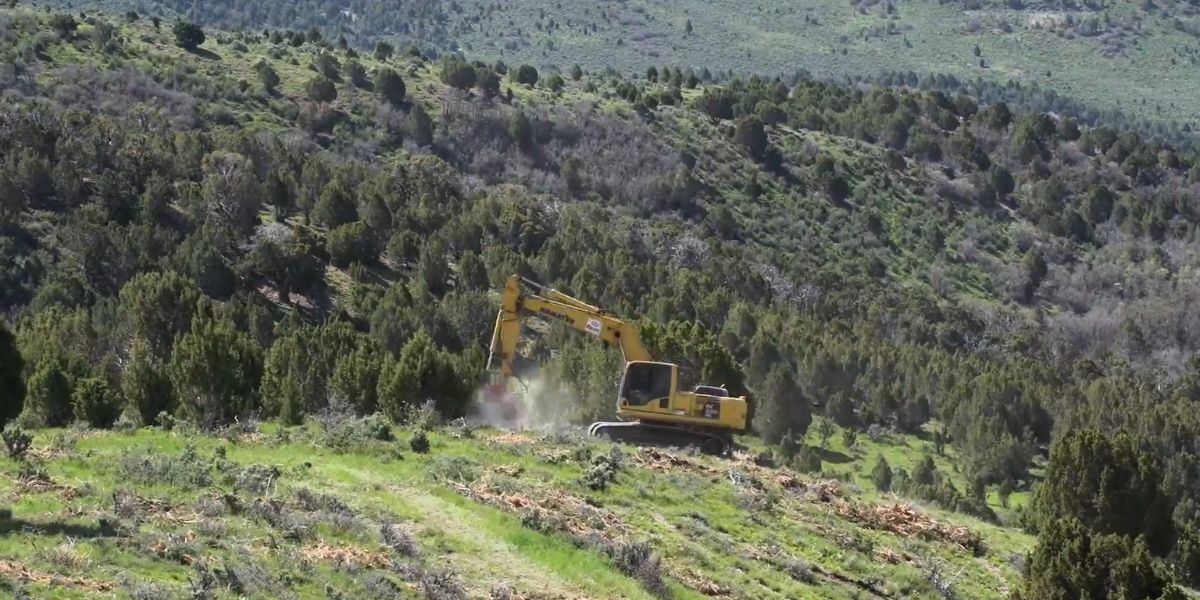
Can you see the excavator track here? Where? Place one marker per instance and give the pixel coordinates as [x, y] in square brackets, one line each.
[650, 434]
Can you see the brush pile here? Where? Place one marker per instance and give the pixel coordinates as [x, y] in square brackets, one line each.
[908, 522]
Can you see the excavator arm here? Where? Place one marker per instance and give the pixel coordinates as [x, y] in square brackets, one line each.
[516, 302]
[651, 407]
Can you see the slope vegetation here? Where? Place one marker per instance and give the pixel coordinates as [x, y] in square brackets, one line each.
[1139, 58]
[330, 511]
[267, 225]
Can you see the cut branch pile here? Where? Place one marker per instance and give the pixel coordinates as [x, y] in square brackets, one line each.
[657, 460]
[511, 438]
[571, 513]
[10, 569]
[906, 521]
[36, 481]
[130, 505]
[346, 556]
[694, 581]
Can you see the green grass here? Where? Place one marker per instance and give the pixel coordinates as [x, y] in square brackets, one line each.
[773, 37]
[1155, 75]
[703, 527]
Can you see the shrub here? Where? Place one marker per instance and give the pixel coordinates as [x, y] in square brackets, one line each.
[390, 85]
[603, 470]
[187, 470]
[17, 442]
[48, 399]
[526, 74]
[94, 402]
[454, 469]
[419, 442]
[351, 243]
[344, 433]
[256, 479]
[638, 561]
[397, 538]
[808, 459]
[442, 585]
[188, 36]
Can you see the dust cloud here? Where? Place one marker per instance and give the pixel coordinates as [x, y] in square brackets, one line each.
[537, 402]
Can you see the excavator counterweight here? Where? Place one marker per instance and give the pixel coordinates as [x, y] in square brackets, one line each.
[650, 407]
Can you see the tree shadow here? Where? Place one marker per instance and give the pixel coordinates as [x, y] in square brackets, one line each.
[205, 54]
[833, 457]
[102, 528]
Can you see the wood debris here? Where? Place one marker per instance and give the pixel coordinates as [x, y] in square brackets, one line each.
[346, 556]
[568, 512]
[887, 555]
[511, 438]
[15, 570]
[36, 482]
[510, 470]
[906, 521]
[699, 583]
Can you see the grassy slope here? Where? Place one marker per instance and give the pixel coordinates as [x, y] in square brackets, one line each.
[774, 37]
[704, 527]
[768, 36]
[747, 550]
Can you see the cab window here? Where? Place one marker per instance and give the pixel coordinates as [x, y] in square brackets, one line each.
[646, 382]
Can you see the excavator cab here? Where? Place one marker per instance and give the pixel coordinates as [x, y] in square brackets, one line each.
[647, 382]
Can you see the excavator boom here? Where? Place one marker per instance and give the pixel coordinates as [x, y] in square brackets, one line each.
[649, 402]
[558, 306]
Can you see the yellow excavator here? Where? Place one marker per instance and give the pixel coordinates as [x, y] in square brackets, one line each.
[650, 407]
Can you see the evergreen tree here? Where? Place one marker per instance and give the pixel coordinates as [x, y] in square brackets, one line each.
[1072, 562]
[12, 388]
[215, 371]
[1108, 484]
[355, 379]
[146, 385]
[48, 395]
[780, 407]
[750, 134]
[298, 368]
[420, 373]
[472, 274]
[357, 74]
[321, 89]
[384, 51]
[267, 75]
[526, 75]
[925, 473]
[351, 243]
[188, 36]
[94, 402]
[159, 307]
[457, 73]
[420, 126]
[881, 474]
[335, 207]
[390, 85]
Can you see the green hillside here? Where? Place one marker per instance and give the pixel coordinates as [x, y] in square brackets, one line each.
[1139, 58]
[273, 247]
[320, 512]
[1147, 71]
